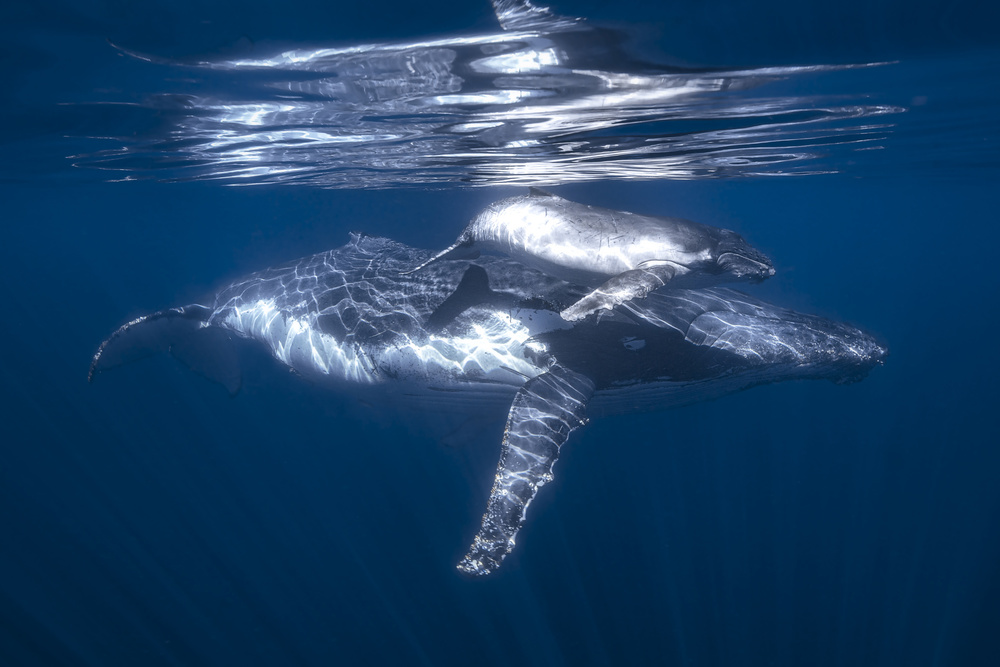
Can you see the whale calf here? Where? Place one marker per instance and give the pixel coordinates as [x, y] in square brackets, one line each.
[456, 334]
[623, 256]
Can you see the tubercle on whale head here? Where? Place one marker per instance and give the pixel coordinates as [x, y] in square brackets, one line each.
[868, 354]
[738, 258]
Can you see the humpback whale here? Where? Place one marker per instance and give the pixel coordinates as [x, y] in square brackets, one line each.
[623, 255]
[351, 316]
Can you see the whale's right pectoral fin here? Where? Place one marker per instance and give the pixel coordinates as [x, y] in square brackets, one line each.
[544, 412]
[183, 332]
[627, 286]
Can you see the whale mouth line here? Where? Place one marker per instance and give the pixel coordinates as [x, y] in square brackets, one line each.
[745, 266]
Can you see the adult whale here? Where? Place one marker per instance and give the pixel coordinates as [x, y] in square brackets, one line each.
[623, 255]
[351, 317]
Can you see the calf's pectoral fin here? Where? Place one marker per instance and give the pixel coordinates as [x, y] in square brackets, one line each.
[544, 412]
[626, 286]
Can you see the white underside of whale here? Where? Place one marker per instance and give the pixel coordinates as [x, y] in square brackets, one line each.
[490, 349]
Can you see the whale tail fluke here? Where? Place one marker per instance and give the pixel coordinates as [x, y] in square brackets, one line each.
[460, 249]
[184, 333]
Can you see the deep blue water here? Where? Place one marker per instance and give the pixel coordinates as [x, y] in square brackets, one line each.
[150, 519]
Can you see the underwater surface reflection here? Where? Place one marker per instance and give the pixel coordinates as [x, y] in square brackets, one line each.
[546, 100]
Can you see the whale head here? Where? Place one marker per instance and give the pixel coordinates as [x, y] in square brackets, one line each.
[737, 258]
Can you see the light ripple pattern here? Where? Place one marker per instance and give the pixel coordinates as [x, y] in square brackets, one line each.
[546, 100]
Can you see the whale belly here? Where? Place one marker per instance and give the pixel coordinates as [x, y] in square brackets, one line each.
[298, 343]
[489, 347]
[581, 244]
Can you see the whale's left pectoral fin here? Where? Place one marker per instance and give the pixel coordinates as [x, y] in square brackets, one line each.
[626, 286]
[544, 412]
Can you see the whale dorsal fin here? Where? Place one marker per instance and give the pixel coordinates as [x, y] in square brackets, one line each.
[538, 192]
[473, 290]
[544, 412]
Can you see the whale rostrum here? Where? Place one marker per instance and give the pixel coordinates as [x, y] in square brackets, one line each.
[458, 335]
[622, 256]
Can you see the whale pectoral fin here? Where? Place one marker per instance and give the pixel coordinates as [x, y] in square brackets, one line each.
[626, 286]
[544, 412]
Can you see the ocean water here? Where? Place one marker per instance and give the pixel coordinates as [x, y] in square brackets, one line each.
[151, 519]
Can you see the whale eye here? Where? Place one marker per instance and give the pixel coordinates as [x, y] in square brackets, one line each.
[633, 344]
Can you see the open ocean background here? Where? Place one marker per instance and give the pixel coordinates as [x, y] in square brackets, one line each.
[150, 519]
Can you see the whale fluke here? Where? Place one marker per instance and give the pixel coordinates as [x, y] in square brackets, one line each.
[544, 412]
[184, 333]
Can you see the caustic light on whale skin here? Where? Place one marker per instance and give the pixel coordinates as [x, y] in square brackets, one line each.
[354, 317]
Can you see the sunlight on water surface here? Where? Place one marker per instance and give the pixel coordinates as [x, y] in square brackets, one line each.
[546, 100]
